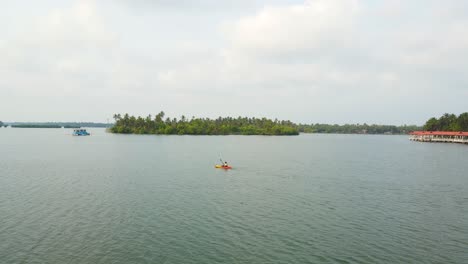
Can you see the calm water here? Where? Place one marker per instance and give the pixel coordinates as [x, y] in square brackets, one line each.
[157, 199]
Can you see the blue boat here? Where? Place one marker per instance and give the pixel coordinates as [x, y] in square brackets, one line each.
[80, 132]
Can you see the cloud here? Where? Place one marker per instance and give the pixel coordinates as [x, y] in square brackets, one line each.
[346, 52]
[313, 61]
[57, 52]
[288, 47]
[295, 29]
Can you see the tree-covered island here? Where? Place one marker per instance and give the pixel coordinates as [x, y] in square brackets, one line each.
[162, 125]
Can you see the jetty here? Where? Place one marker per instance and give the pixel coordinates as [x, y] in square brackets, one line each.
[440, 136]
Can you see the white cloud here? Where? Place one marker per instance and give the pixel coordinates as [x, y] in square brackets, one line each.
[56, 52]
[299, 28]
[322, 60]
[343, 51]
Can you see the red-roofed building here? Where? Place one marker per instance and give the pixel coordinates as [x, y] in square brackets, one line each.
[440, 136]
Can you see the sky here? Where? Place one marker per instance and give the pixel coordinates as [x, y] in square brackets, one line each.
[317, 61]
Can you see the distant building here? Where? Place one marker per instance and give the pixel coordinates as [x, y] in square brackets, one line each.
[440, 136]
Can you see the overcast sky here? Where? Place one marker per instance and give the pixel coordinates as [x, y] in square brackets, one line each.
[327, 61]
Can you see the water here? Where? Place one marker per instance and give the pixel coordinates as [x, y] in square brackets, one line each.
[157, 199]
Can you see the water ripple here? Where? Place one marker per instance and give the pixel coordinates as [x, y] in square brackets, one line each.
[119, 199]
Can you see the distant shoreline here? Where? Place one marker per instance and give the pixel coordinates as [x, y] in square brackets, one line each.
[108, 130]
[161, 125]
[221, 126]
[55, 124]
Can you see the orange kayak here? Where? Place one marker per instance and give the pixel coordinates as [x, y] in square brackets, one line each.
[223, 167]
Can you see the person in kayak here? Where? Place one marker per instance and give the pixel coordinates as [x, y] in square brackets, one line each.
[225, 164]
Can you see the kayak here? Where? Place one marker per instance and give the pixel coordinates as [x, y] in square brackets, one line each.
[223, 167]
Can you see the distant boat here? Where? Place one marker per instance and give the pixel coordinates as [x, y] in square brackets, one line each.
[80, 132]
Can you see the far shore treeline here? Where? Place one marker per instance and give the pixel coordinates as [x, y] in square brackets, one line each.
[160, 124]
[357, 129]
[448, 122]
[55, 124]
[35, 126]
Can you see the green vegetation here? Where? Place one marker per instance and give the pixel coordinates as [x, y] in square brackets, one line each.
[57, 124]
[448, 122]
[357, 129]
[240, 126]
[62, 124]
[35, 126]
[1, 123]
[201, 126]
[82, 124]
